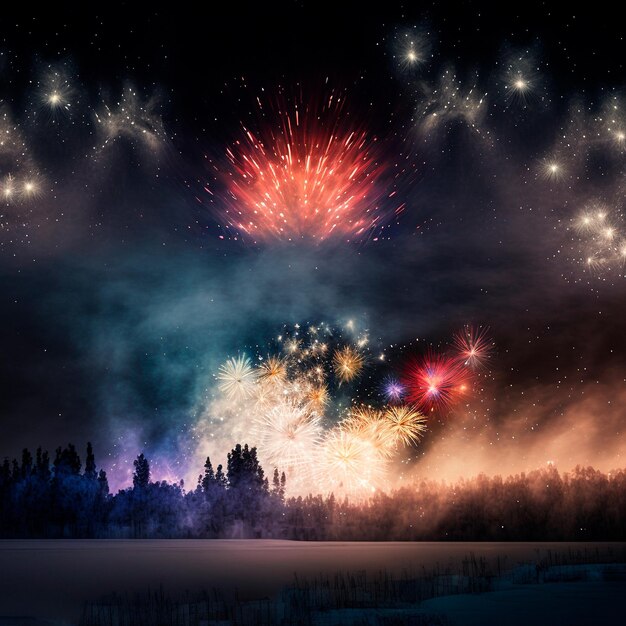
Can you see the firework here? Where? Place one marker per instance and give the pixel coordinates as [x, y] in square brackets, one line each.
[552, 169]
[405, 424]
[350, 463]
[359, 418]
[473, 346]
[449, 101]
[137, 120]
[287, 435]
[56, 92]
[411, 49]
[273, 370]
[436, 382]
[393, 390]
[370, 425]
[237, 378]
[310, 173]
[522, 81]
[30, 188]
[347, 363]
[601, 235]
[295, 404]
[8, 188]
[380, 437]
[317, 397]
[292, 346]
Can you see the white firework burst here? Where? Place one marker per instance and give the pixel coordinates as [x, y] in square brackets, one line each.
[287, 435]
[237, 378]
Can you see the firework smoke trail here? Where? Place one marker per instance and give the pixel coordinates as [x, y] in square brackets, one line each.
[308, 172]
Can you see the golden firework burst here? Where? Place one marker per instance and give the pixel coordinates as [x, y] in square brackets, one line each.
[347, 363]
[406, 424]
[273, 370]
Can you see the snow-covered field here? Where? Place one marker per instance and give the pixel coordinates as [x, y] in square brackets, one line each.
[53, 579]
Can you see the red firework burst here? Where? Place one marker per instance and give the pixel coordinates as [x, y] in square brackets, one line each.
[436, 381]
[309, 173]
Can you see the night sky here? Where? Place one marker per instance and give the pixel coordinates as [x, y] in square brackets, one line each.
[500, 132]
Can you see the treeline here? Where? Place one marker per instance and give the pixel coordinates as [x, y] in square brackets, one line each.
[40, 498]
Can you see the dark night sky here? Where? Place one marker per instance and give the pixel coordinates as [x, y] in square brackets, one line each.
[119, 300]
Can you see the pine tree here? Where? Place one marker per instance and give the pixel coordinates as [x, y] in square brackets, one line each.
[276, 483]
[27, 464]
[244, 470]
[141, 475]
[208, 480]
[67, 461]
[90, 463]
[5, 472]
[103, 484]
[42, 464]
[220, 477]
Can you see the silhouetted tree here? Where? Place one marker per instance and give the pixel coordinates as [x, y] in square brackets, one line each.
[141, 475]
[103, 484]
[208, 481]
[248, 489]
[42, 464]
[27, 464]
[36, 501]
[276, 482]
[278, 485]
[90, 463]
[67, 462]
[220, 477]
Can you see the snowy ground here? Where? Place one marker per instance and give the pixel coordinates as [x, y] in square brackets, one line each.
[566, 604]
[53, 579]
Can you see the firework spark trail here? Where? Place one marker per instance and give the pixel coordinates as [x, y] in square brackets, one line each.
[311, 174]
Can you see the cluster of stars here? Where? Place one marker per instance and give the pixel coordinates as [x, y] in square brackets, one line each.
[602, 237]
